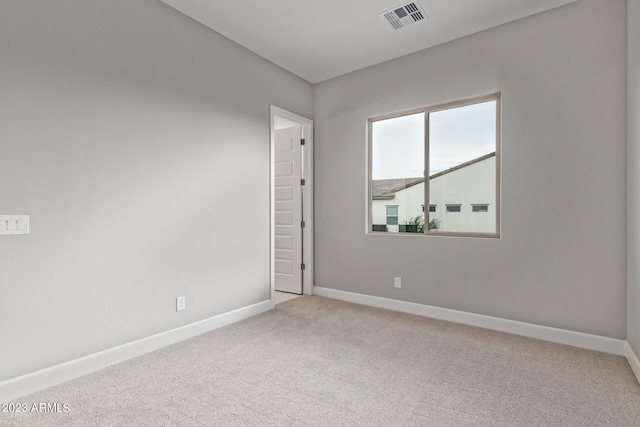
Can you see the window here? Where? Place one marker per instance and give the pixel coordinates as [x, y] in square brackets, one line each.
[392, 215]
[479, 208]
[447, 154]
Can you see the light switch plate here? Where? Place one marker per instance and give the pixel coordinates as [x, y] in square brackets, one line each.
[14, 224]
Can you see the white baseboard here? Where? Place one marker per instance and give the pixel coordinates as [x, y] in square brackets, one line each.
[35, 381]
[561, 336]
[632, 358]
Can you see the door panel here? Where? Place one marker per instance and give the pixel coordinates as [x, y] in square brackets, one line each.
[288, 211]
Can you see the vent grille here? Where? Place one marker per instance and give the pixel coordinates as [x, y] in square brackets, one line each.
[405, 15]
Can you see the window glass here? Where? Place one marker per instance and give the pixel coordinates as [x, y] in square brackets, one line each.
[392, 215]
[480, 208]
[462, 167]
[397, 171]
[458, 144]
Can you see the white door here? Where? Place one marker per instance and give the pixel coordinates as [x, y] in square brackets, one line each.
[288, 210]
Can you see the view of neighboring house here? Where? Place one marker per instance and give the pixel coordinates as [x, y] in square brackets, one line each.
[462, 199]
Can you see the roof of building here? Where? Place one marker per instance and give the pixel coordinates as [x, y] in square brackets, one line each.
[383, 189]
[386, 189]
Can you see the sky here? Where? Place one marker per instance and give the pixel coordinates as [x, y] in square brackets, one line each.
[456, 136]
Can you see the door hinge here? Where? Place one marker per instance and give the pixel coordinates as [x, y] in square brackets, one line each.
[302, 266]
[302, 224]
[302, 141]
[303, 182]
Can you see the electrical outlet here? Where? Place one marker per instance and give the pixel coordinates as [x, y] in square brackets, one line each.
[397, 282]
[14, 224]
[181, 303]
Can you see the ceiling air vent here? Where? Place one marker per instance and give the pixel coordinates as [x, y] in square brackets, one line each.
[402, 16]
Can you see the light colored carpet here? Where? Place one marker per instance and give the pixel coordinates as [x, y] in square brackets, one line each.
[316, 361]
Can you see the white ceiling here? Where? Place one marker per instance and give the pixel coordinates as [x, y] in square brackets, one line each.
[321, 39]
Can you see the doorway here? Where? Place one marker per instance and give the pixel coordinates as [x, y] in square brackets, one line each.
[291, 190]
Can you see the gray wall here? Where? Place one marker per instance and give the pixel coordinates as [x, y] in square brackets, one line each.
[633, 299]
[561, 259]
[138, 141]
